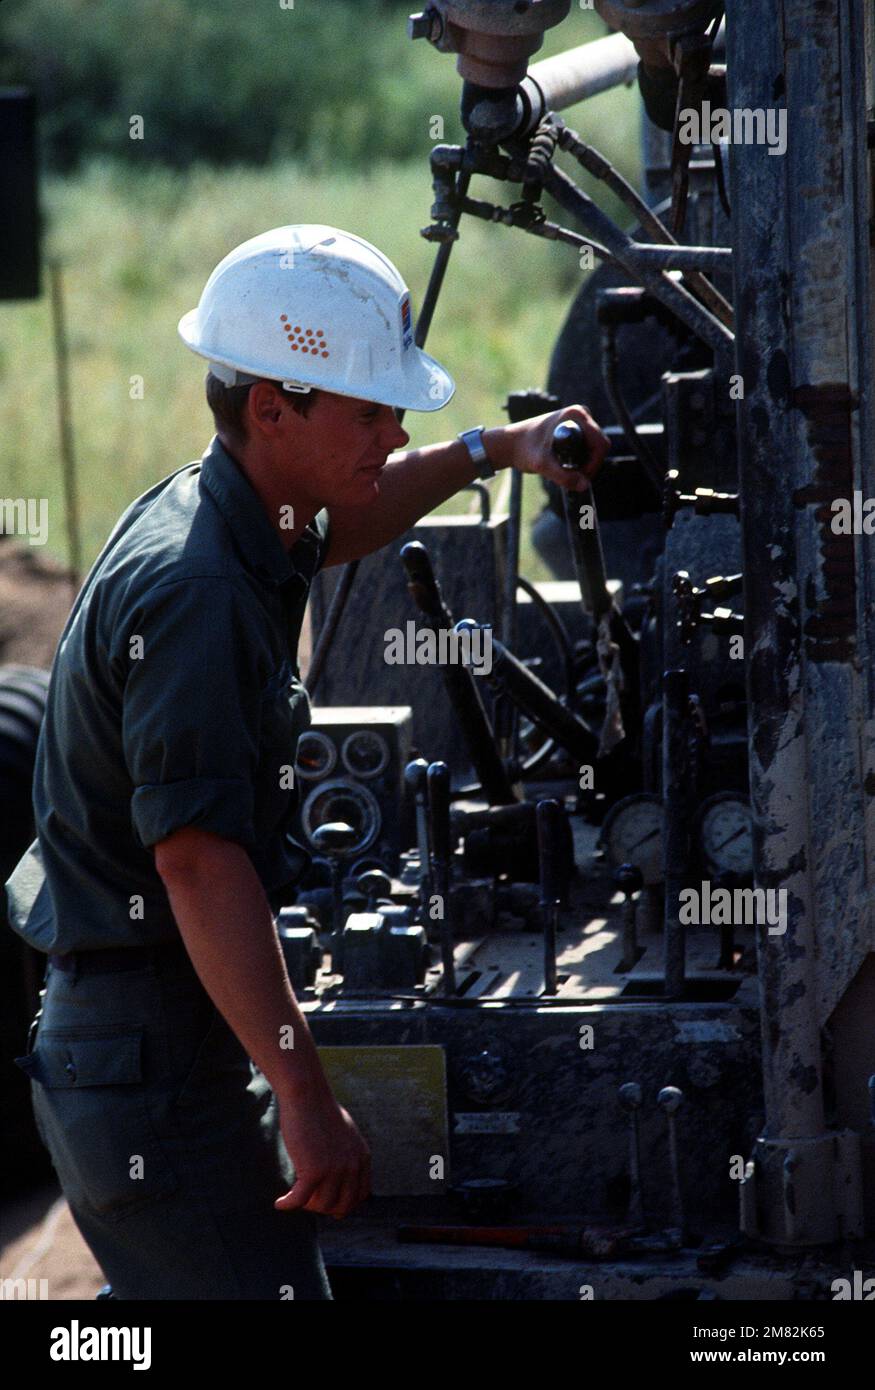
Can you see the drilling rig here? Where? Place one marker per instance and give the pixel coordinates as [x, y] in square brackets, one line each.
[587, 938]
[600, 916]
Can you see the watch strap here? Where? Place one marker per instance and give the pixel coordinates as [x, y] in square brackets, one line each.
[473, 441]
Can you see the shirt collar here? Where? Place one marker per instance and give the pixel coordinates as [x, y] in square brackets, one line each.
[257, 542]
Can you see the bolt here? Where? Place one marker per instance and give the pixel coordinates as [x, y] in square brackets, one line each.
[423, 25]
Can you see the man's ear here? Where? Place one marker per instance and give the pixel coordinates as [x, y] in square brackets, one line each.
[265, 407]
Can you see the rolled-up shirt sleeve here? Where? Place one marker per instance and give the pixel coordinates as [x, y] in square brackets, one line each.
[192, 709]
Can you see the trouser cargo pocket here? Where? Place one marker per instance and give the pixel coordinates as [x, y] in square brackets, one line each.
[91, 1106]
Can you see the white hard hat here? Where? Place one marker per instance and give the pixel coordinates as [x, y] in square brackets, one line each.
[315, 308]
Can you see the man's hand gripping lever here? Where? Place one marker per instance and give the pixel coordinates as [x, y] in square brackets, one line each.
[617, 646]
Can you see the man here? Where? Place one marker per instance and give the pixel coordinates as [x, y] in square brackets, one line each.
[162, 793]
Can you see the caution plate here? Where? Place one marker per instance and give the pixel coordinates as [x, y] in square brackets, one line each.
[398, 1098]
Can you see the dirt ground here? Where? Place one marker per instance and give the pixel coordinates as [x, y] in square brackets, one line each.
[39, 1240]
[36, 595]
[38, 1237]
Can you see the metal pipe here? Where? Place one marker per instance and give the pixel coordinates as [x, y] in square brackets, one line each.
[601, 168]
[622, 248]
[567, 78]
[663, 257]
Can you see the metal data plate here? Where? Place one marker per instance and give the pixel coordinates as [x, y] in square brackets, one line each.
[398, 1098]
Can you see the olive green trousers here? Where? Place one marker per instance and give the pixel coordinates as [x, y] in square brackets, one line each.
[165, 1139]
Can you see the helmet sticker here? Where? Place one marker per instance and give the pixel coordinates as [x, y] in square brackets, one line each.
[304, 339]
[406, 322]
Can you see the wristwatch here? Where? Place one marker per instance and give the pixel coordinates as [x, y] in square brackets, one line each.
[473, 441]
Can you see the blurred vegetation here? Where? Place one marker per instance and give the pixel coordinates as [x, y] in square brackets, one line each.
[231, 81]
[137, 239]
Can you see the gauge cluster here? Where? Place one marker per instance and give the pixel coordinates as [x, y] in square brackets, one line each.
[350, 765]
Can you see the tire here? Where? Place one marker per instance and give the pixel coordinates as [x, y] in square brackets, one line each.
[23, 689]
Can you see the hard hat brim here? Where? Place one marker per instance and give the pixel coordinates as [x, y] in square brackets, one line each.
[422, 384]
[430, 385]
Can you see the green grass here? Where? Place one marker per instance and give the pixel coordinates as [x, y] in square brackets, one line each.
[136, 247]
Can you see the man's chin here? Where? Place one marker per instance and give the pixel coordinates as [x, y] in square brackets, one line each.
[370, 483]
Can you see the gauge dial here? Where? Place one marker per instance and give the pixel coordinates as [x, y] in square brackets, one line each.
[632, 834]
[349, 802]
[724, 834]
[316, 755]
[365, 753]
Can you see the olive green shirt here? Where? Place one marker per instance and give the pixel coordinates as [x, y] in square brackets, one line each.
[175, 700]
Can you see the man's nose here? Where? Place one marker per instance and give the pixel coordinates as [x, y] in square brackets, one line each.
[399, 435]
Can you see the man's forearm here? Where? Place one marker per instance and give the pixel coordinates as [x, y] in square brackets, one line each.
[411, 485]
[227, 926]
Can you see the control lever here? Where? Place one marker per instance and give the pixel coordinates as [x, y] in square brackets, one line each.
[416, 778]
[509, 676]
[631, 1099]
[439, 833]
[334, 840]
[572, 451]
[669, 1100]
[549, 839]
[373, 884]
[460, 684]
[630, 880]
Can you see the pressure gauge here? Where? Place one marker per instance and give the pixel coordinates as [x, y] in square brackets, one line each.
[315, 756]
[632, 834]
[365, 753]
[724, 834]
[341, 800]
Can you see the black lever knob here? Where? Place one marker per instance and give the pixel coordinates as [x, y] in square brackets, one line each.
[334, 838]
[439, 807]
[548, 820]
[629, 879]
[570, 446]
[415, 775]
[373, 884]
